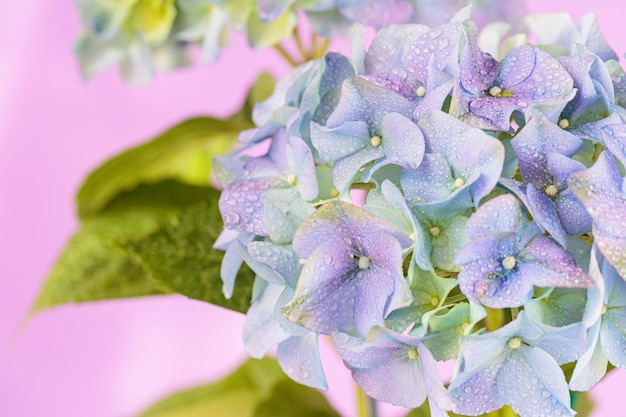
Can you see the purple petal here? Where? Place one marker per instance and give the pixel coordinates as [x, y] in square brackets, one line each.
[512, 289]
[600, 190]
[341, 221]
[544, 211]
[432, 181]
[402, 141]
[536, 141]
[475, 391]
[478, 69]
[471, 153]
[502, 214]
[241, 204]
[362, 100]
[549, 265]
[327, 291]
[614, 137]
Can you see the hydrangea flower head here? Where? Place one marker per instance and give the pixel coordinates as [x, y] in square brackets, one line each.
[493, 225]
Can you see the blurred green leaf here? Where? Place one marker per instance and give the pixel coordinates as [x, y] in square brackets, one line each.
[184, 152]
[250, 391]
[237, 395]
[290, 399]
[136, 193]
[180, 256]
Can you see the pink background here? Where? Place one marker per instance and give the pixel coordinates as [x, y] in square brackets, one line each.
[112, 359]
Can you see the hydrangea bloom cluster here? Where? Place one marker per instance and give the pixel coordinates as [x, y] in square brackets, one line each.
[493, 171]
[144, 36]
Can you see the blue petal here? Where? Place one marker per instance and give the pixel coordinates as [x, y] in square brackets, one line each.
[300, 360]
[592, 365]
[532, 383]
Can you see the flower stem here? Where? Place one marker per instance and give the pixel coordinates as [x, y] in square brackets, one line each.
[495, 318]
[303, 53]
[283, 53]
[367, 407]
[321, 50]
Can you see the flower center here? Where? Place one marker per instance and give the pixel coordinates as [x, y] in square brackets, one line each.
[509, 262]
[603, 309]
[421, 91]
[413, 354]
[459, 182]
[551, 190]
[435, 231]
[291, 179]
[515, 343]
[563, 123]
[364, 262]
[495, 91]
[376, 141]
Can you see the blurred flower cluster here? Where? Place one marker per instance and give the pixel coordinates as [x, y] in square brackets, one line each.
[446, 193]
[146, 36]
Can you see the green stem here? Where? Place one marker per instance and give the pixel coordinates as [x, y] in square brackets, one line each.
[303, 54]
[367, 407]
[281, 51]
[321, 50]
[495, 318]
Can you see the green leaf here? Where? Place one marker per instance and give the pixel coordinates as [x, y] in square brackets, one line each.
[237, 395]
[180, 256]
[257, 389]
[93, 266]
[183, 152]
[290, 399]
